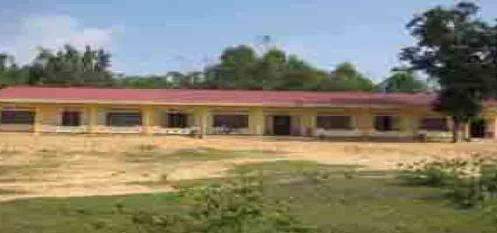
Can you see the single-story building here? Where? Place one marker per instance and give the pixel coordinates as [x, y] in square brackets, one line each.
[240, 112]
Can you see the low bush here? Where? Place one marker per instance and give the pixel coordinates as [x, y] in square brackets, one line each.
[469, 182]
[233, 207]
[316, 176]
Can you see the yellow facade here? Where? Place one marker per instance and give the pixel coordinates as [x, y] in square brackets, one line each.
[200, 120]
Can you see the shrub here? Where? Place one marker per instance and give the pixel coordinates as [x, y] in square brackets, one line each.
[489, 179]
[233, 207]
[436, 174]
[465, 192]
[469, 182]
[316, 176]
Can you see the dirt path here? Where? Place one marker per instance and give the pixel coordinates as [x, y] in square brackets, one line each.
[59, 165]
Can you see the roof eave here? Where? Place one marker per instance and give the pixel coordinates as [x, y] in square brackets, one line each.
[158, 103]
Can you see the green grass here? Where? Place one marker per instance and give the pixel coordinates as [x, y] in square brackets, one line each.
[368, 202]
[86, 214]
[335, 198]
[199, 154]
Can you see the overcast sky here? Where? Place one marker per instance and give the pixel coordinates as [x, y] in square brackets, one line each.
[147, 37]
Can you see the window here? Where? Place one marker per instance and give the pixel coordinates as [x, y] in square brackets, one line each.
[434, 124]
[71, 118]
[176, 120]
[124, 119]
[231, 121]
[18, 117]
[334, 122]
[386, 123]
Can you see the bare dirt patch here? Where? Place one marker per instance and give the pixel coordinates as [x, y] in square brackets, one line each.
[81, 165]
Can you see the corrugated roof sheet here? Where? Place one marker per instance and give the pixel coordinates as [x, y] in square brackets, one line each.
[194, 96]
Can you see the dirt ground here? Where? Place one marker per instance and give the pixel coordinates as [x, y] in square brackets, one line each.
[79, 165]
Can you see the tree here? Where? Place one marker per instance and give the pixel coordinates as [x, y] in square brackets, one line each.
[185, 80]
[4, 58]
[402, 81]
[346, 78]
[148, 82]
[491, 59]
[10, 72]
[301, 76]
[270, 70]
[69, 66]
[452, 47]
[235, 69]
[241, 68]
[173, 79]
[3, 68]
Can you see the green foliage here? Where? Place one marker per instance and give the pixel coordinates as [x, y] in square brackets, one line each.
[240, 68]
[72, 67]
[431, 173]
[67, 66]
[150, 82]
[235, 69]
[458, 50]
[469, 182]
[233, 207]
[371, 202]
[402, 81]
[11, 73]
[346, 78]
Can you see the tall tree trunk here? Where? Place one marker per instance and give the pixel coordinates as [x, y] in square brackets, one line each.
[455, 130]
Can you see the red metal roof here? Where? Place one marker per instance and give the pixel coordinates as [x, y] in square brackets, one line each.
[211, 97]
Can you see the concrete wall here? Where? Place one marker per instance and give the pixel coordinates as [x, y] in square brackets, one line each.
[200, 120]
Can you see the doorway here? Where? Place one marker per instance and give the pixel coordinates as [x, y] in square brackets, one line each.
[478, 128]
[281, 125]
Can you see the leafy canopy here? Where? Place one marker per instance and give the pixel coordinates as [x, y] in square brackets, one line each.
[456, 49]
[71, 67]
[346, 78]
[402, 81]
[241, 68]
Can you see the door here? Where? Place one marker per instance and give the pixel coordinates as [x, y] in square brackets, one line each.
[477, 128]
[281, 125]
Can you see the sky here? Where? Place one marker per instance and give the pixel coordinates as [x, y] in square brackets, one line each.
[154, 37]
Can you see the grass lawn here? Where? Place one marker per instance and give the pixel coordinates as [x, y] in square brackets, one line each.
[335, 198]
[150, 154]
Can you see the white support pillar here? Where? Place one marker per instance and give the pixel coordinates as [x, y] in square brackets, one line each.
[201, 115]
[92, 119]
[147, 120]
[308, 123]
[365, 122]
[37, 127]
[415, 124]
[257, 122]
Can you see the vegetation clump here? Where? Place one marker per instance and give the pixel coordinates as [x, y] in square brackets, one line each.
[469, 182]
[235, 206]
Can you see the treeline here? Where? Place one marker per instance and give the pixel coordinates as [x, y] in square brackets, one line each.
[239, 67]
[66, 67]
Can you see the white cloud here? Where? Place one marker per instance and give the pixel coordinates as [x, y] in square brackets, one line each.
[53, 31]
